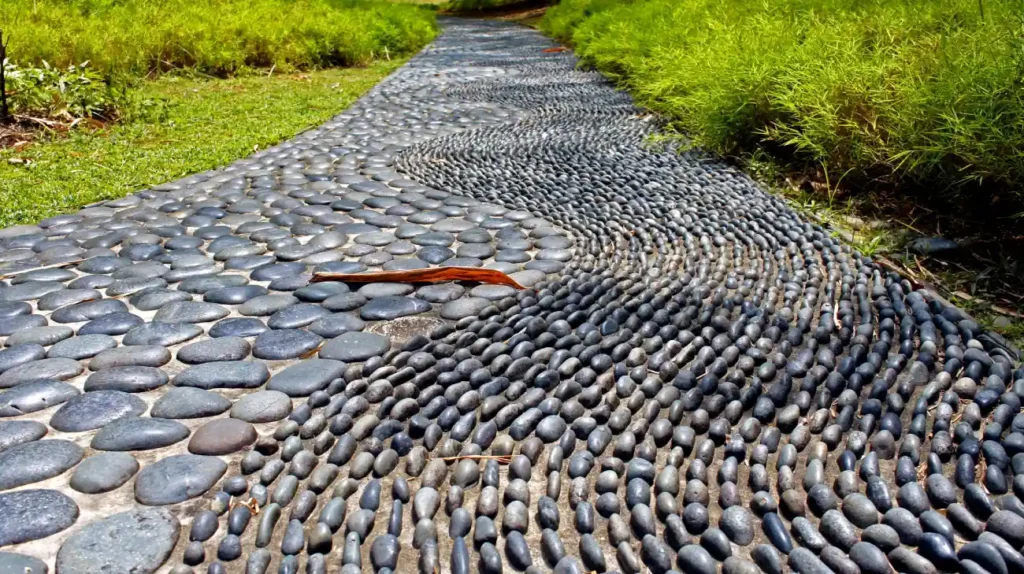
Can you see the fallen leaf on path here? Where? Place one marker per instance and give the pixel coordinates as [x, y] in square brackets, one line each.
[431, 275]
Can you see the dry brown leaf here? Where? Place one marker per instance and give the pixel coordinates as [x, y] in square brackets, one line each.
[431, 275]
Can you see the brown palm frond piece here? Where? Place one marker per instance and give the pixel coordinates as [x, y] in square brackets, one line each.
[430, 275]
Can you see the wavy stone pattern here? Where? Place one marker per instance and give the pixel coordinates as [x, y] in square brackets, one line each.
[696, 379]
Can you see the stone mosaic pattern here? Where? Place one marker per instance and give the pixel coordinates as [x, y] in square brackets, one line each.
[694, 380]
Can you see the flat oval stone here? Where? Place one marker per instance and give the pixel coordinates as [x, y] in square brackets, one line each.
[266, 305]
[296, 316]
[38, 334]
[66, 297]
[139, 434]
[115, 324]
[103, 472]
[14, 308]
[392, 307]
[222, 436]
[29, 291]
[18, 432]
[190, 312]
[126, 379]
[95, 409]
[219, 349]
[354, 347]
[262, 407]
[462, 308]
[19, 355]
[37, 460]
[177, 478]
[304, 378]
[136, 355]
[234, 295]
[154, 299]
[59, 369]
[11, 563]
[189, 403]
[204, 285]
[283, 344]
[31, 397]
[331, 326]
[34, 514]
[82, 347]
[145, 539]
[318, 292]
[224, 375]
[164, 334]
[238, 327]
[440, 292]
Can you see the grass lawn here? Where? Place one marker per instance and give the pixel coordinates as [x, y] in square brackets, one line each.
[199, 124]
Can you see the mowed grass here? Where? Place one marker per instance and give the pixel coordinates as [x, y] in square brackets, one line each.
[920, 95]
[195, 125]
[129, 39]
[175, 87]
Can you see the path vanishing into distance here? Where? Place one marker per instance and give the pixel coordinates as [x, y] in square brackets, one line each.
[694, 379]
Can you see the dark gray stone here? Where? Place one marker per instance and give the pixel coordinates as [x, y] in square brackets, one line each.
[304, 378]
[56, 369]
[104, 472]
[262, 407]
[224, 375]
[139, 540]
[222, 436]
[219, 349]
[189, 403]
[37, 460]
[36, 396]
[177, 478]
[354, 347]
[34, 514]
[11, 563]
[164, 334]
[18, 432]
[139, 434]
[126, 379]
[285, 344]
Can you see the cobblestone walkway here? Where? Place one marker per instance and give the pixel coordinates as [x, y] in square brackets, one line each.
[695, 378]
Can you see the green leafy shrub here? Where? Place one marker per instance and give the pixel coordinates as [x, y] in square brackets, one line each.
[139, 38]
[75, 91]
[927, 93]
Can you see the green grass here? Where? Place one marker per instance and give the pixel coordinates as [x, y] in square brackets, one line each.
[922, 94]
[186, 126]
[137, 38]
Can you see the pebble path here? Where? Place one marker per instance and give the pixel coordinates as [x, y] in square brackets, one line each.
[695, 379]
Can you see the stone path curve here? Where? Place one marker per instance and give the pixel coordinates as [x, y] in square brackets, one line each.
[695, 380]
